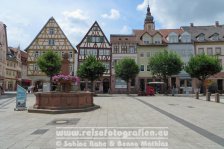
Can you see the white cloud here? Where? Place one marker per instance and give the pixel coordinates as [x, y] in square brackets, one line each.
[125, 30]
[172, 14]
[75, 24]
[77, 14]
[143, 5]
[16, 29]
[114, 14]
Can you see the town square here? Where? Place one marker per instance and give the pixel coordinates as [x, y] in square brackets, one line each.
[117, 74]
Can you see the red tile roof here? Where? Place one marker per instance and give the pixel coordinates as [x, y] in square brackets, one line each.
[166, 32]
[122, 39]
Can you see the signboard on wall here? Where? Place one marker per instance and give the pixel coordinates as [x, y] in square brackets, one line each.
[119, 83]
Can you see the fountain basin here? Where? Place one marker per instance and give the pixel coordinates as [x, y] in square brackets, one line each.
[63, 102]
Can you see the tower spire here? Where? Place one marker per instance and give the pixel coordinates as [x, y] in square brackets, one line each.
[149, 20]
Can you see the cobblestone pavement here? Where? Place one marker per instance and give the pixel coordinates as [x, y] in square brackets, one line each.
[192, 124]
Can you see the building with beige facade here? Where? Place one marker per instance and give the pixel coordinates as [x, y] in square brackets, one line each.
[13, 69]
[149, 42]
[3, 50]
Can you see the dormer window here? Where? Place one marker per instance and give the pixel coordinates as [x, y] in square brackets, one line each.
[146, 42]
[173, 38]
[157, 40]
[185, 38]
[201, 37]
[215, 37]
[146, 39]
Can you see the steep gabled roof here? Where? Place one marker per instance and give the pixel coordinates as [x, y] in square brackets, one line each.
[95, 24]
[166, 32]
[51, 19]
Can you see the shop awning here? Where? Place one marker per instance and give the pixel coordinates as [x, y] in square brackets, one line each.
[26, 81]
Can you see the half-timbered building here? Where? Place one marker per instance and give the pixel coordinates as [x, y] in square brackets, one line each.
[96, 43]
[51, 37]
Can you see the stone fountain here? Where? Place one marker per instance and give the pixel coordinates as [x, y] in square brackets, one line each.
[64, 100]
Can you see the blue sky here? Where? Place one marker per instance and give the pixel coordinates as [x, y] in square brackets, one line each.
[25, 18]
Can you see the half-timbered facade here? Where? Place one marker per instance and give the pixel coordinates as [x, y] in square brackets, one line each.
[51, 37]
[95, 43]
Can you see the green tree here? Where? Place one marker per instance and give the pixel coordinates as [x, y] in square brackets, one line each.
[202, 67]
[165, 64]
[50, 64]
[91, 69]
[126, 69]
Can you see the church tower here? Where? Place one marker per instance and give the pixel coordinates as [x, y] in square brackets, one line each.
[149, 23]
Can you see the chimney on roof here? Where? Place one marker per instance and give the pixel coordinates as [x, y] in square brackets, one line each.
[191, 24]
[216, 23]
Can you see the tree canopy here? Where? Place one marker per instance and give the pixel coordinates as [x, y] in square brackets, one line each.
[165, 64]
[91, 69]
[49, 63]
[126, 69]
[203, 66]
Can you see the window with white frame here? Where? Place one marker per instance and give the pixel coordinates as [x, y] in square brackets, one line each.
[124, 49]
[132, 49]
[36, 54]
[201, 51]
[209, 51]
[173, 38]
[148, 54]
[51, 42]
[104, 52]
[91, 52]
[146, 39]
[157, 40]
[148, 68]
[51, 31]
[82, 51]
[116, 49]
[201, 37]
[70, 54]
[142, 54]
[142, 68]
[35, 67]
[215, 37]
[146, 42]
[107, 66]
[218, 51]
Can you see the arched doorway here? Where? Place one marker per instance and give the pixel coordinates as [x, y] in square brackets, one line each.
[106, 85]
